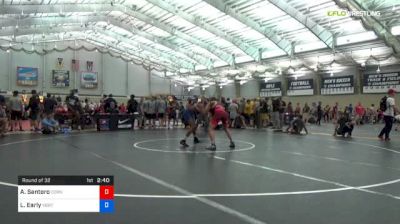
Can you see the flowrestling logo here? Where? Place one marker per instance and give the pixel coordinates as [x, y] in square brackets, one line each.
[352, 13]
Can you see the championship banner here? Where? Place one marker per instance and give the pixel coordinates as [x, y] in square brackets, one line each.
[337, 85]
[60, 63]
[381, 83]
[89, 66]
[27, 76]
[303, 87]
[270, 89]
[75, 65]
[89, 80]
[60, 78]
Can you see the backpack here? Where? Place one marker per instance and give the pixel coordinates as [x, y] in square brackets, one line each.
[382, 104]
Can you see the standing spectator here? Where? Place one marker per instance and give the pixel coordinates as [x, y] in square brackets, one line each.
[161, 109]
[264, 111]
[319, 113]
[132, 105]
[281, 113]
[297, 110]
[335, 110]
[49, 105]
[389, 109]
[350, 109]
[233, 112]
[110, 104]
[327, 111]
[248, 111]
[132, 108]
[306, 113]
[275, 113]
[289, 111]
[172, 114]
[74, 107]
[16, 107]
[360, 112]
[372, 114]
[3, 116]
[151, 112]
[34, 110]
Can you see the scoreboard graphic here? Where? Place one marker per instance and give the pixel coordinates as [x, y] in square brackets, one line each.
[66, 194]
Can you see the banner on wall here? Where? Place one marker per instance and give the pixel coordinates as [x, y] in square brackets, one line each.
[89, 80]
[75, 65]
[270, 89]
[303, 87]
[337, 85]
[381, 83]
[27, 76]
[60, 78]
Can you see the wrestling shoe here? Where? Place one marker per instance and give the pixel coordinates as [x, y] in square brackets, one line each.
[196, 140]
[212, 147]
[232, 145]
[183, 143]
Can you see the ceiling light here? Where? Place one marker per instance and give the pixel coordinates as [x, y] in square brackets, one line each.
[363, 64]
[8, 50]
[378, 70]
[331, 74]
[175, 85]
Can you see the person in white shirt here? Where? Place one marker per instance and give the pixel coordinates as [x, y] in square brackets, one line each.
[388, 115]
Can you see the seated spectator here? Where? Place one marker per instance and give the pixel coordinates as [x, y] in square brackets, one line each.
[344, 125]
[49, 125]
[297, 125]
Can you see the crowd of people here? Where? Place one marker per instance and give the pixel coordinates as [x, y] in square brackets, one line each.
[46, 114]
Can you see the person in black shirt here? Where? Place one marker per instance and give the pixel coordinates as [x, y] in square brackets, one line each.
[110, 105]
[49, 104]
[319, 113]
[34, 107]
[344, 125]
[297, 125]
[132, 107]
[275, 113]
[74, 107]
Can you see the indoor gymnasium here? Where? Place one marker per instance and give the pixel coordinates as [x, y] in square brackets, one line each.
[200, 111]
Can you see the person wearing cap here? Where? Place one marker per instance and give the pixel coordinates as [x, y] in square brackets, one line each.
[388, 115]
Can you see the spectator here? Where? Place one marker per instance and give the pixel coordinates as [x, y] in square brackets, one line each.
[319, 113]
[360, 112]
[327, 111]
[161, 109]
[389, 108]
[74, 107]
[17, 108]
[344, 125]
[306, 113]
[34, 110]
[110, 105]
[49, 105]
[233, 112]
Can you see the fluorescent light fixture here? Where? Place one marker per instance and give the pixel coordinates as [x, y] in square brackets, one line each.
[309, 46]
[396, 30]
[356, 38]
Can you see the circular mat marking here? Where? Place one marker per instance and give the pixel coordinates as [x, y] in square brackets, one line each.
[190, 148]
